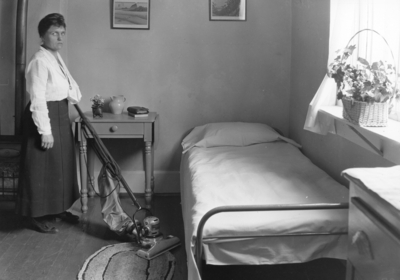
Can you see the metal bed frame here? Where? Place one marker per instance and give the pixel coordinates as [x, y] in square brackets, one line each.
[249, 208]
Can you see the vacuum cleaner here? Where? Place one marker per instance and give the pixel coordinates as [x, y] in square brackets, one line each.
[150, 238]
[147, 232]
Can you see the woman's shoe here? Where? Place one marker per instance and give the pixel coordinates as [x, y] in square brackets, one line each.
[42, 226]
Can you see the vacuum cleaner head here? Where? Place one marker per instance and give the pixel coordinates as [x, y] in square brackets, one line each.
[150, 238]
[158, 246]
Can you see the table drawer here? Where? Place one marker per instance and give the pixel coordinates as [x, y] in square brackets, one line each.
[374, 247]
[118, 128]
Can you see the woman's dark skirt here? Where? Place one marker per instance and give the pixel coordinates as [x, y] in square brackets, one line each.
[48, 178]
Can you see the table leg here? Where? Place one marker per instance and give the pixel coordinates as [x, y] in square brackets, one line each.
[148, 173]
[152, 168]
[90, 171]
[82, 164]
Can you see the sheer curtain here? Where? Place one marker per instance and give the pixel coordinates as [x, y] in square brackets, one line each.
[347, 17]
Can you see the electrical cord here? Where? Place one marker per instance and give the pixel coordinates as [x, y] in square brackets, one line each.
[89, 176]
[92, 185]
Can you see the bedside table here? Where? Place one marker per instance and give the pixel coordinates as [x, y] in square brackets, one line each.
[118, 126]
[374, 224]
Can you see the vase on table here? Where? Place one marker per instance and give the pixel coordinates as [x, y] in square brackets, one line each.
[97, 112]
[117, 104]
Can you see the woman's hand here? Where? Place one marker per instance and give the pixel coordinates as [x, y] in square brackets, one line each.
[47, 141]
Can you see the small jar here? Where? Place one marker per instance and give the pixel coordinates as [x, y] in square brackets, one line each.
[97, 112]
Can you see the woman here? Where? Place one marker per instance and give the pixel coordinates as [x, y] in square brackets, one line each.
[48, 183]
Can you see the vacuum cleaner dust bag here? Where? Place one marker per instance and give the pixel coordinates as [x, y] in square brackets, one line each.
[113, 214]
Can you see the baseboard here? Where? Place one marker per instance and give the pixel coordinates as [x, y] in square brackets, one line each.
[125, 194]
[165, 182]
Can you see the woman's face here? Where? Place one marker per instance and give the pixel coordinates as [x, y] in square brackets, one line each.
[54, 37]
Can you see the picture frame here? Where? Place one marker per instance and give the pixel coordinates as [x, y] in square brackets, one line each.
[131, 14]
[228, 10]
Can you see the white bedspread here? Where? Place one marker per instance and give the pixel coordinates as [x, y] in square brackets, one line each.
[271, 173]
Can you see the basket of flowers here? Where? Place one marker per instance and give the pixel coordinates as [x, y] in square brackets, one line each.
[366, 89]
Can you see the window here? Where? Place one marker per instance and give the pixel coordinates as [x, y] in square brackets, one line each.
[347, 18]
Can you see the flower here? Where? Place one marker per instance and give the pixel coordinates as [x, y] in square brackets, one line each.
[97, 101]
[364, 82]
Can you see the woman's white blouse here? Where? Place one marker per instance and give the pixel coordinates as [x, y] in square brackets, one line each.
[46, 81]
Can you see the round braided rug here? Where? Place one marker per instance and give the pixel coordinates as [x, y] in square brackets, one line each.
[119, 261]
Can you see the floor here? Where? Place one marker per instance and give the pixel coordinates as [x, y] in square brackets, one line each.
[27, 254]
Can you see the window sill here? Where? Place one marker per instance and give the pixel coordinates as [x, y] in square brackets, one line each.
[384, 141]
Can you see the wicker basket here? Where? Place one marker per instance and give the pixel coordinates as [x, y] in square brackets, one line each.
[364, 113]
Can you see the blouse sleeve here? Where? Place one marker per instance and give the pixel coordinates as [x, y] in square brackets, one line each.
[36, 83]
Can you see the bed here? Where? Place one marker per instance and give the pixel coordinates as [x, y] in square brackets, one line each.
[229, 173]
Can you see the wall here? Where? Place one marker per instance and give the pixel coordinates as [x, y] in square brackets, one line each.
[310, 42]
[188, 69]
[8, 14]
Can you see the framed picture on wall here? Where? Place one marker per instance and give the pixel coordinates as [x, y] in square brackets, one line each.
[229, 10]
[131, 14]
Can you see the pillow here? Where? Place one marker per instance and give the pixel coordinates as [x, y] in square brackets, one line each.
[238, 134]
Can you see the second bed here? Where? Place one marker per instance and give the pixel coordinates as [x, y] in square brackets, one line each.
[246, 164]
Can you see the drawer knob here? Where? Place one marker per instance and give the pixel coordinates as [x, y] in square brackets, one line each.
[114, 128]
[360, 239]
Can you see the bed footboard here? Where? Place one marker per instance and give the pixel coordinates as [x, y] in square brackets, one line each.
[249, 208]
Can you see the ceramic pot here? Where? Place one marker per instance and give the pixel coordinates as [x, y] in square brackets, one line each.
[97, 112]
[117, 104]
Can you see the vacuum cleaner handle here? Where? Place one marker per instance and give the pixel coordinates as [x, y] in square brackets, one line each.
[104, 149]
[130, 193]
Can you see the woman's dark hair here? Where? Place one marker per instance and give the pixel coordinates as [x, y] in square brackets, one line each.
[50, 20]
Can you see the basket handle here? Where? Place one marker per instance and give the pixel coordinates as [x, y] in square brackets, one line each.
[372, 30]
